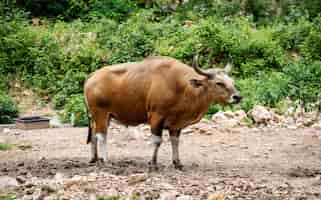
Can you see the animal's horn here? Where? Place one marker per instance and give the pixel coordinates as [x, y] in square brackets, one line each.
[198, 70]
[228, 67]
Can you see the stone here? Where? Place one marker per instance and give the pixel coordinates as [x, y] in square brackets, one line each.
[317, 126]
[21, 179]
[7, 181]
[27, 197]
[38, 194]
[93, 196]
[184, 197]
[59, 176]
[229, 118]
[6, 130]
[168, 196]
[261, 115]
[216, 196]
[136, 178]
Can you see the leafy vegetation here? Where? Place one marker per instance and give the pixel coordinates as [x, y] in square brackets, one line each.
[5, 146]
[8, 109]
[110, 198]
[274, 45]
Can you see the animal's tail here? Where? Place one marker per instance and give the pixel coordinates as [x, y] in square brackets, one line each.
[89, 121]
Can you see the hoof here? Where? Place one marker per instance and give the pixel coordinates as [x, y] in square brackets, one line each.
[101, 161]
[178, 165]
[93, 160]
[152, 167]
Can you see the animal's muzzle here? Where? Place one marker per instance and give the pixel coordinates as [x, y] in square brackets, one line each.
[237, 99]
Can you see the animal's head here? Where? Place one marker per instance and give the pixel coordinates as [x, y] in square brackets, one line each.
[219, 85]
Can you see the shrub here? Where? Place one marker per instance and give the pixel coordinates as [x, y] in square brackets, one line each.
[8, 109]
[304, 82]
[311, 47]
[75, 108]
[292, 35]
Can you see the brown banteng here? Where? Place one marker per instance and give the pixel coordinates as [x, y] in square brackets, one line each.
[160, 91]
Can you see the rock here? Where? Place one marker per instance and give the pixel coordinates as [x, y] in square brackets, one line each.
[167, 186]
[59, 176]
[39, 194]
[112, 192]
[240, 114]
[7, 181]
[76, 178]
[6, 130]
[93, 196]
[217, 196]
[27, 197]
[21, 179]
[261, 115]
[317, 126]
[136, 178]
[229, 118]
[168, 196]
[187, 131]
[184, 197]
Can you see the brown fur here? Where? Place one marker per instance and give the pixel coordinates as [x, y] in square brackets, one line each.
[160, 91]
[133, 93]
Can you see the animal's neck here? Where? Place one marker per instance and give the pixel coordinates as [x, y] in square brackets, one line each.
[198, 99]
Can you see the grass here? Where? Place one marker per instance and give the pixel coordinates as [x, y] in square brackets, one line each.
[5, 147]
[9, 196]
[109, 198]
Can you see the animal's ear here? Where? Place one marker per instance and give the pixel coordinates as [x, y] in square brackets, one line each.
[196, 83]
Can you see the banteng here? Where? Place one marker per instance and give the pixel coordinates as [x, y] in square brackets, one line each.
[160, 91]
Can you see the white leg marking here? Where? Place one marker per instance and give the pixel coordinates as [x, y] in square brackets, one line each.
[175, 143]
[156, 139]
[102, 145]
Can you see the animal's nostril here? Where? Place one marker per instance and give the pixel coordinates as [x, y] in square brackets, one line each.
[237, 98]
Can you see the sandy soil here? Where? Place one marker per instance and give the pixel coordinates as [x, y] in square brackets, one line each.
[237, 163]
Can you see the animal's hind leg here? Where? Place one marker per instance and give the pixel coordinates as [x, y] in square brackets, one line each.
[94, 154]
[101, 124]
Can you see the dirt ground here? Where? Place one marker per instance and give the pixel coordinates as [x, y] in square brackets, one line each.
[227, 163]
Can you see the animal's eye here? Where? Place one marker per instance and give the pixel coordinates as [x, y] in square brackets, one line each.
[220, 84]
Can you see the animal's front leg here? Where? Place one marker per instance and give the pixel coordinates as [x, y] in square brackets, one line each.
[174, 136]
[157, 130]
[157, 141]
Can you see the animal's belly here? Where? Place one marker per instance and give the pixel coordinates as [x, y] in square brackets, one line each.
[184, 119]
[130, 116]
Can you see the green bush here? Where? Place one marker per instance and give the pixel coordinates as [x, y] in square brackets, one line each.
[292, 35]
[311, 47]
[8, 109]
[55, 58]
[75, 108]
[304, 83]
